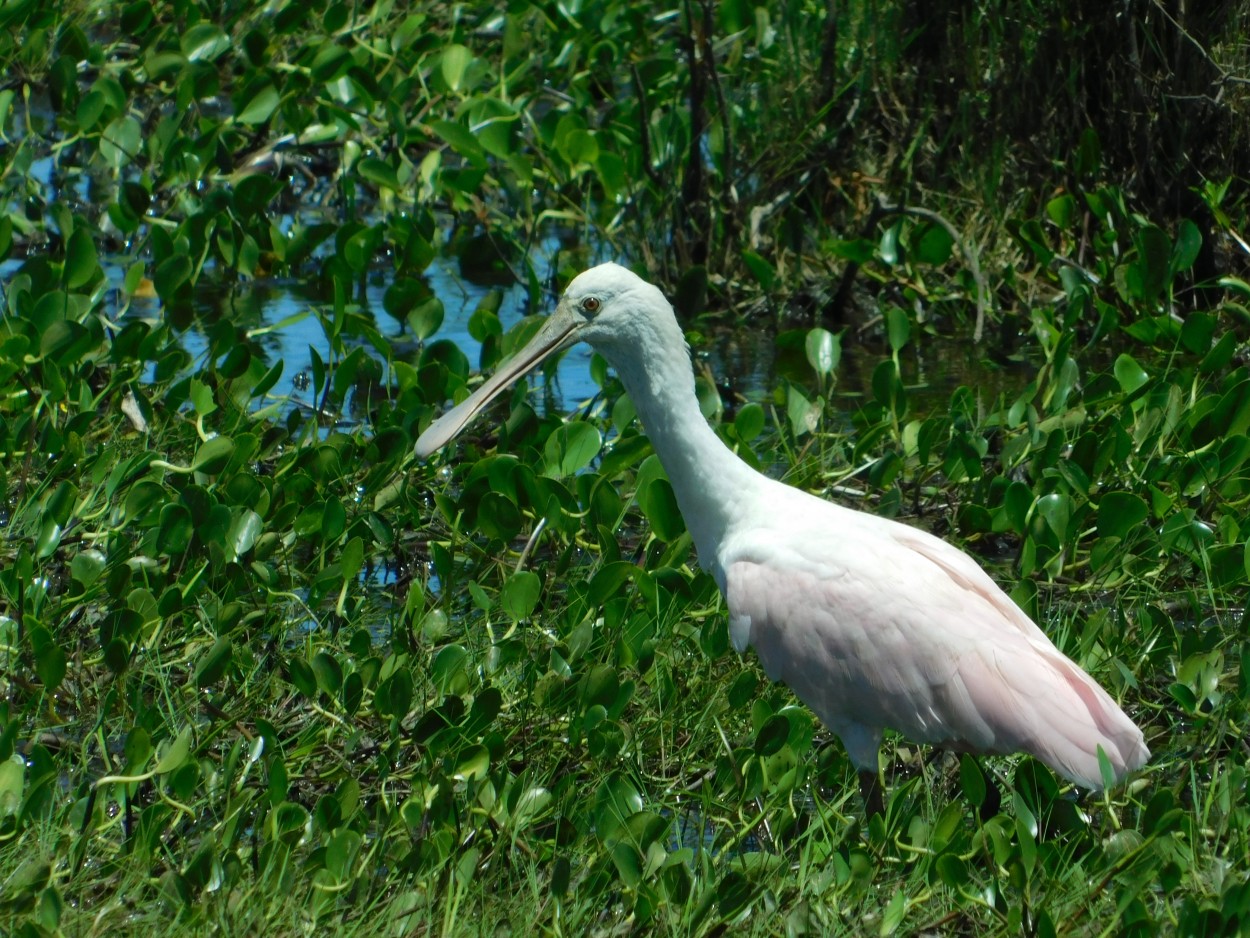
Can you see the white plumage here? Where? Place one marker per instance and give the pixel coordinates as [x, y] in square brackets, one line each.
[873, 624]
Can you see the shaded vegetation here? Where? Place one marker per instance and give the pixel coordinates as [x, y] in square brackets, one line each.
[260, 671]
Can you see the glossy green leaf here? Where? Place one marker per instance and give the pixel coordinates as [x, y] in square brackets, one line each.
[453, 65]
[120, 141]
[1062, 210]
[448, 669]
[259, 105]
[1119, 513]
[204, 42]
[932, 244]
[80, 260]
[175, 754]
[213, 455]
[749, 422]
[898, 327]
[824, 351]
[520, 594]
[571, 448]
[1188, 245]
[1130, 375]
[659, 504]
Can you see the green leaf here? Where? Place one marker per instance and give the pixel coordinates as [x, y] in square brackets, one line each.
[1055, 509]
[898, 327]
[473, 763]
[498, 516]
[1188, 244]
[749, 422]
[520, 594]
[12, 779]
[824, 351]
[659, 504]
[212, 665]
[352, 559]
[1062, 210]
[616, 800]
[615, 178]
[50, 660]
[213, 455]
[455, 62]
[171, 274]
[763, 271]
[952, 870]
[259, 105]
[894, 913]
[120, 141]
[378, 172]
[328, 672]
[245, 528]
[858, 251]
[448, 669]
[80, 260]
[1152, 265]
[887, 247]
[578, 147]
[176, 754]
[87, 566]
[1119, 513]
[932, 245]
[460, 139]
[204, 42]
[1129, 374]
[571, 448]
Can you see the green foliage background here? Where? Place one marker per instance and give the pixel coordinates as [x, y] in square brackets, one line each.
[260, 671]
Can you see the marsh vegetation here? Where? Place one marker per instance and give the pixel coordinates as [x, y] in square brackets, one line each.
[261, 671]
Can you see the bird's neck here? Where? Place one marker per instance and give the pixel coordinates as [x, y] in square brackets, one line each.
[710, 482]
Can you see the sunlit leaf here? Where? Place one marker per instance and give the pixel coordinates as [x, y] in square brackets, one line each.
[455, 62]
[259, 105]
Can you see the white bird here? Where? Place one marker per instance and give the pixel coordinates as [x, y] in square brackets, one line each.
[872, 623]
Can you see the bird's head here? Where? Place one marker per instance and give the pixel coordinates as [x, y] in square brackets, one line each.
[602, 306]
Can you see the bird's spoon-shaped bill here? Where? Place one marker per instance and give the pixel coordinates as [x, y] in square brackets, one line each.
[555, 333]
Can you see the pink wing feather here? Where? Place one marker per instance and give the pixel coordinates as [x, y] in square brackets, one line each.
[949, 660]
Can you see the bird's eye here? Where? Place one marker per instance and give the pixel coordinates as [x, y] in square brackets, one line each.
[591, 304]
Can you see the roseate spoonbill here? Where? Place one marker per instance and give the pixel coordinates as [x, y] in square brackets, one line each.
[872, 623]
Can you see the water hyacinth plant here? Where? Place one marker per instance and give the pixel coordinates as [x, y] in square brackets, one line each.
[261, 670]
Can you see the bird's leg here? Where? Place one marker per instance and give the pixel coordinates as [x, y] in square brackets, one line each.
[870, 789]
